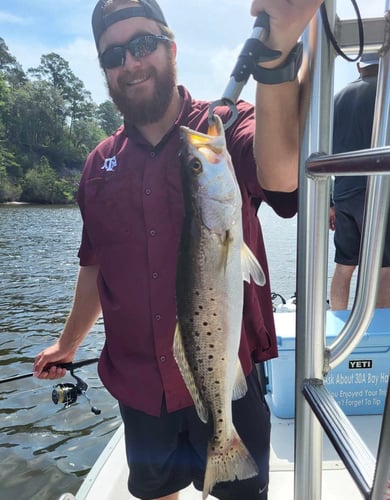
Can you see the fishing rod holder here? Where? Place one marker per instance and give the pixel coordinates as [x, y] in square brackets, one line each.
[68, 393]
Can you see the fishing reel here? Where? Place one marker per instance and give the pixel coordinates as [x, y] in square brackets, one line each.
[68, 393]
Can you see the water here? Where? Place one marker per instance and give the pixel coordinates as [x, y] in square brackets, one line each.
[280, 236]
[45, 449]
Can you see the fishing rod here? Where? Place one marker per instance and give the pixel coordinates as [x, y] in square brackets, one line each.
[67, 366]
[67, 393]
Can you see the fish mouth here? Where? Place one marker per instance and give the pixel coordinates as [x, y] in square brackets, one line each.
[214, 132]
[214, 140]
[202, 142]
[216, 127]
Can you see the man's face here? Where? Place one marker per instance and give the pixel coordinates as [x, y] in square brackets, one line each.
[141, 88]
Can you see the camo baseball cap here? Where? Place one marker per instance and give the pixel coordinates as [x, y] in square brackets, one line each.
[146, 8]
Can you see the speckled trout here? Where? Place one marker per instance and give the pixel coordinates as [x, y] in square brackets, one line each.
[212, 264]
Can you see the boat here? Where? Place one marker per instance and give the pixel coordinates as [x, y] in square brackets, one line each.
[108, 477]
[331, 442]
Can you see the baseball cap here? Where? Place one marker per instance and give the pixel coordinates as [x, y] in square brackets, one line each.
[369, 59]
[145, 8]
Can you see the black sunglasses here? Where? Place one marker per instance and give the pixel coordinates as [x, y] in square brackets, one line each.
[140, 46]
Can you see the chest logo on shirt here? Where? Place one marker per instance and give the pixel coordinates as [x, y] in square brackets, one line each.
[110, 164]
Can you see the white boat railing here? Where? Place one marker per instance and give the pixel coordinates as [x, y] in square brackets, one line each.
[315, 409]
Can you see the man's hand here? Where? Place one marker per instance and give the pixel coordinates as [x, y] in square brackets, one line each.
[46, 361]
[288, 19]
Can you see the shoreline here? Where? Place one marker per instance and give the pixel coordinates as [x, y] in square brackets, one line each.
[15, 203]
[29, 203]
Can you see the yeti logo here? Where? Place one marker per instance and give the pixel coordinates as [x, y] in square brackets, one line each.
[110, 164]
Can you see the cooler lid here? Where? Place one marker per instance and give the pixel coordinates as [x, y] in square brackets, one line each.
[378, 332]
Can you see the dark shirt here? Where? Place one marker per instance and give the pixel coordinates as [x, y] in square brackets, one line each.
[131, 202]
[353, 117]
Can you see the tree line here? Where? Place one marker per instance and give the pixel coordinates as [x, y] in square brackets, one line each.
[48, 125]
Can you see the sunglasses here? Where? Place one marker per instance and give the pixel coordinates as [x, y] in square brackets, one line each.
[140, 46]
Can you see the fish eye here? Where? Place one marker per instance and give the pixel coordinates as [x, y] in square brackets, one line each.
[196, 166]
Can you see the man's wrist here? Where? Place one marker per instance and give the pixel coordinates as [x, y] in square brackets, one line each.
[286, 72]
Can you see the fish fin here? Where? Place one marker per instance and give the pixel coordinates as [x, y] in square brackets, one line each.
[188, 377]
[227, 241]
[250, 267]
[240, 385]
[233, 462]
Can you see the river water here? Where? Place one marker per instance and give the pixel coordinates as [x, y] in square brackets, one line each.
[46, 449]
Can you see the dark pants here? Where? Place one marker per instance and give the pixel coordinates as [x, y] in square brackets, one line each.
[167, 453]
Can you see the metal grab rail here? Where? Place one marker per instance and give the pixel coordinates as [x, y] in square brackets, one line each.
[313, 357]
[351, 448]
[370, 162]
[374, 229]
[381, 486]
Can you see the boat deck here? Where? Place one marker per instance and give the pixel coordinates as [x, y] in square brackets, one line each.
[108, 477]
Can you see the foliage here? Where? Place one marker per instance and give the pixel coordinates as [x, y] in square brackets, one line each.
[42, 185]
[48, 125]
[9, 175]
[10, 68]
[109, 118]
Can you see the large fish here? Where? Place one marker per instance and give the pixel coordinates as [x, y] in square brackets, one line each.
[212, 264]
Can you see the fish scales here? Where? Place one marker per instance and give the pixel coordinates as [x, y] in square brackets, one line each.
[213, 261]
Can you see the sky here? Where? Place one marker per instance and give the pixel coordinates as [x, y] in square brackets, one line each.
[209, 35]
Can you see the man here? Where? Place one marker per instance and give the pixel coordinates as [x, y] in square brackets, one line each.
[353, 121]
[131, 202]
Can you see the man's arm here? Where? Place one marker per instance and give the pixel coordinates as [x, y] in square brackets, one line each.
[278, 106]
[277, 136]
[85, 311]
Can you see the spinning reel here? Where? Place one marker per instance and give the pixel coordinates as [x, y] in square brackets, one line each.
[68, 393]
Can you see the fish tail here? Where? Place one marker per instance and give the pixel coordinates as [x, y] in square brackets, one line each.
[227, 462]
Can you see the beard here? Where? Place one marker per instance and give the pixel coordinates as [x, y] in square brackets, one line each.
[140, 110]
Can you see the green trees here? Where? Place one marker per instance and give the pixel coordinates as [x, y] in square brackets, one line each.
[48, 124]
[42, 185]
[108, 117]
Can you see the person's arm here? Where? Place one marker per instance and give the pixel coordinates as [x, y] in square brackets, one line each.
[332, 218]
[85, 311]
[278, 106]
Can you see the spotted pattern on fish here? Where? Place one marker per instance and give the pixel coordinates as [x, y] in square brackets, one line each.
[213, 261]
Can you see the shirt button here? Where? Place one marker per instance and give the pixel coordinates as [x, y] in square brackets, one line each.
[155, 275]
[153, 232]
[157, 317]
[152, 154]
[163, 359]
[148, 192]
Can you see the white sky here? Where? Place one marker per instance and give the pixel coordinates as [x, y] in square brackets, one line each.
[209, 35]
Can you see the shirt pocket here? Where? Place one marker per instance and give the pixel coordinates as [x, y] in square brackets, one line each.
[107, 210]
